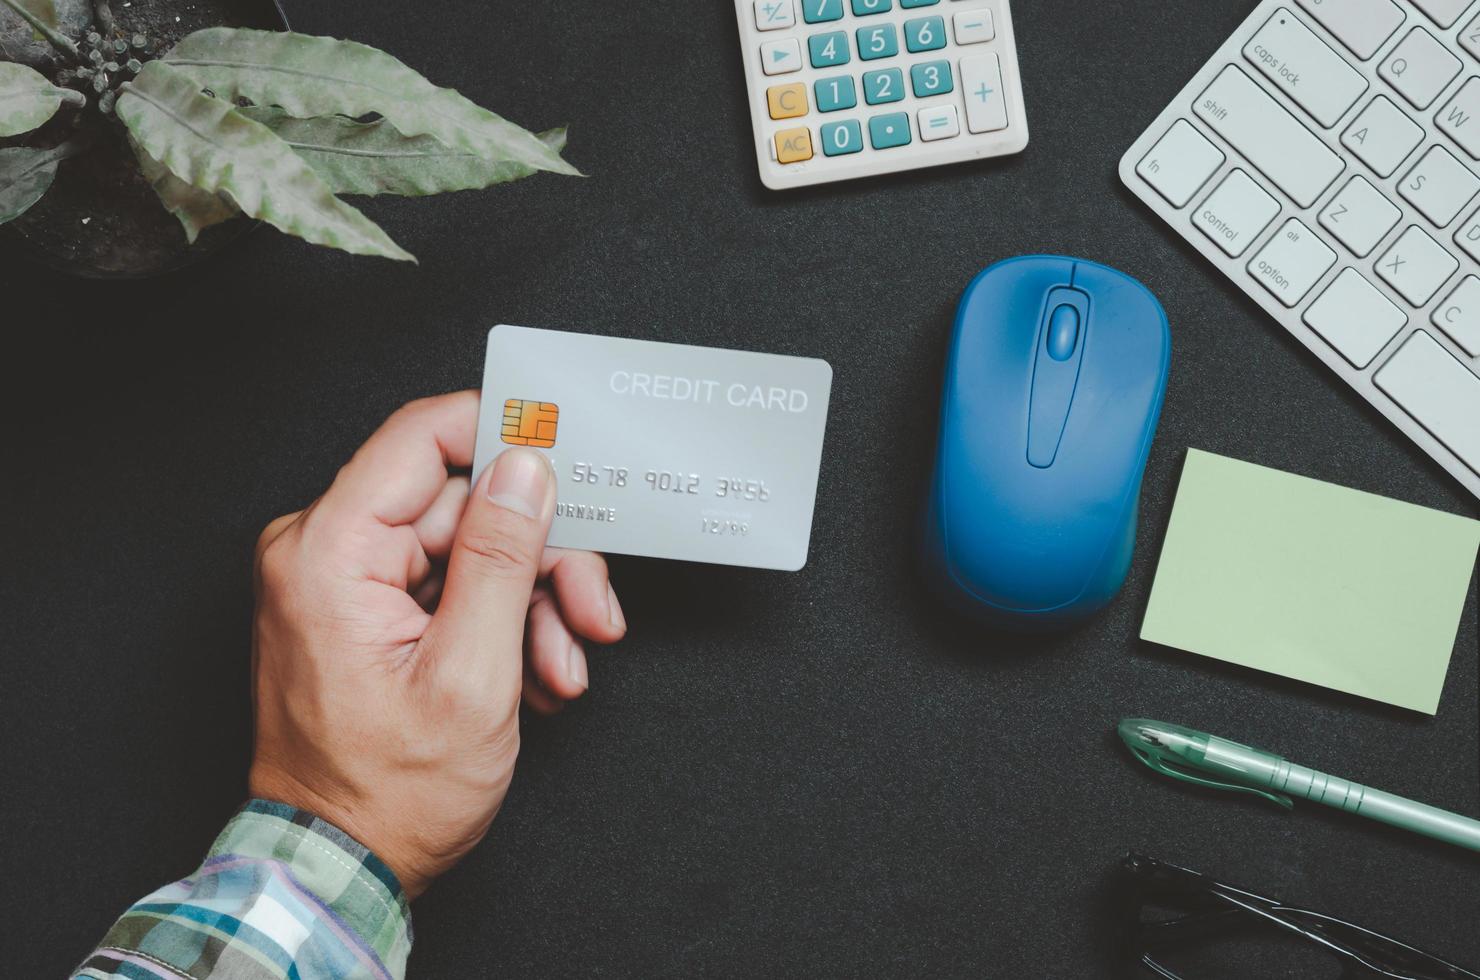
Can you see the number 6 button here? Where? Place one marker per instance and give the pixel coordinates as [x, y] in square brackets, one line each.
[925, 34]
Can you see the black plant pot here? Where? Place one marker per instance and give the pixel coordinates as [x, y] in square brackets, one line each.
[101, 219]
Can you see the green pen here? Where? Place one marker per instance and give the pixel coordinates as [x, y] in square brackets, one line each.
[1208, 760]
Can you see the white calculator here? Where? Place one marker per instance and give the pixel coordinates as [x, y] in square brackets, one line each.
[853, 88]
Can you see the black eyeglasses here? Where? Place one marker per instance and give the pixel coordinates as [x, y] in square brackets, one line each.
[1181, 925]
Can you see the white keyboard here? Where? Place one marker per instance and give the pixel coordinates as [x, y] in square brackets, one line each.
[854, 88]
[1327, 160]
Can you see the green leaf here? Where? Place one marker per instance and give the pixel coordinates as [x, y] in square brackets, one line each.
[208, 144]
[196, 209]
[27, 99]
[373, 158]
[26, 175]
[321, 76]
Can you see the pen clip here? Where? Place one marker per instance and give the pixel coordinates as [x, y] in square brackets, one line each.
[1160, 765]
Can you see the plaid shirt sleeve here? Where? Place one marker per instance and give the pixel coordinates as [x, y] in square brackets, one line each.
[282, 895]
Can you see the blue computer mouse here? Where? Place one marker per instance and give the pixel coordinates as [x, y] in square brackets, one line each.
[1054, 384]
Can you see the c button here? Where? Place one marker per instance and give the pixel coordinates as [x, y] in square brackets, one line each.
[787, 101]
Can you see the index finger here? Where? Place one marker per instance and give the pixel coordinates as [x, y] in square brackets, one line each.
[399, 471]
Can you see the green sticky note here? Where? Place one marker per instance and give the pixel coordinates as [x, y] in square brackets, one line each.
[1313, 581]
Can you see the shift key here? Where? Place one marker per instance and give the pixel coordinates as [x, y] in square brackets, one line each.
[1305, 68]
[1268, 136]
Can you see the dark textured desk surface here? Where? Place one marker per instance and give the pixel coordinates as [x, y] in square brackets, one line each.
[811, 774]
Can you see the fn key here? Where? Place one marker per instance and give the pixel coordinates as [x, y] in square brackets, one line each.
[1180, 163]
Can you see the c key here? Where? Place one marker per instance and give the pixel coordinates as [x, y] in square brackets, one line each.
[787, 101]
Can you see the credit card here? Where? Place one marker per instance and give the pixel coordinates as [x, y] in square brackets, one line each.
[663, 450]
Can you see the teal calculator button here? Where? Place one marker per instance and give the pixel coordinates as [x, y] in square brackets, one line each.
[818, 11]
[877, 42]
[884, 85]
[862, 8]
[931, 78]
[835, 93]
[917, 3]
[925, 34]
[829, 49]
[841, 138]
[891, 129]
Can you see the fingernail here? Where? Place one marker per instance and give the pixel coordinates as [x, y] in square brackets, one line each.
[519, 482]
[614, 609]
[577, 666]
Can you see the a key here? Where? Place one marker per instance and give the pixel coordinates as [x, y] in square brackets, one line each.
[1305, 68]
[1458, 118]
[1382, 136]
[1268, 136]
[981, 84]
[1355, 318]
[1236, 213]
[1419, 68]
[1439, 186]
[1416, 266]
[1459, 315]
[1180, 163]
[1441, 394]
[1291, 262]
[1362, 25]
[1360, 216]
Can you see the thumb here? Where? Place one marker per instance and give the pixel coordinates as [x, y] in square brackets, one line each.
[495, 559]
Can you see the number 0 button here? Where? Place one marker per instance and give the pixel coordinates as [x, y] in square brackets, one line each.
[841, 138]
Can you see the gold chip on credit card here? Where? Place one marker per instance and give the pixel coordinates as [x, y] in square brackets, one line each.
[528, 423]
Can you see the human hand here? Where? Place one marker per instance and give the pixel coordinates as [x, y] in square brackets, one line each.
[387, 691]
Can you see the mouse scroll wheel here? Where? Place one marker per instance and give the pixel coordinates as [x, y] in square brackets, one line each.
[1063, 332]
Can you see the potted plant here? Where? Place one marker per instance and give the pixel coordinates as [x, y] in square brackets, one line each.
[136, 140]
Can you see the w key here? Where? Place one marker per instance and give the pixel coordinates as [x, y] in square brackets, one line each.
[1305, 68]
